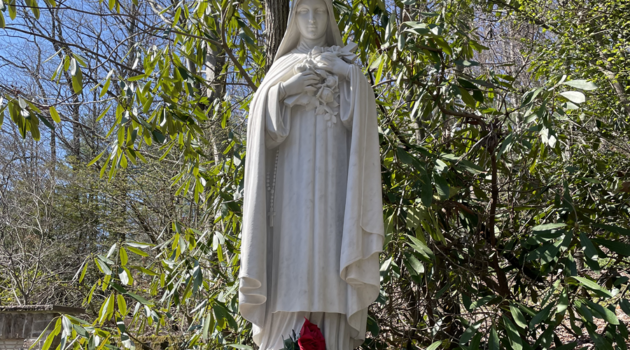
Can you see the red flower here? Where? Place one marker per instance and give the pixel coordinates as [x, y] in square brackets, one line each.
[311, 338]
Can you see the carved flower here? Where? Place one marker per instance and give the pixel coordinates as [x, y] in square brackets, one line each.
[301, 67]
[327, 95]
[332, 81]
[334, 49]
[321, 109]
[311, 337]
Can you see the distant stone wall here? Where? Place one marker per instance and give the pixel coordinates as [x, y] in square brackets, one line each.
[20, 326]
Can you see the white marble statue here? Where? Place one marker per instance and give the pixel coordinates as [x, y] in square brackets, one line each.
[312, 213]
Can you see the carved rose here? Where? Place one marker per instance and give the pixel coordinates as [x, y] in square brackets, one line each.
[327, 95]
[332, 81]
[311, 337]
[301, 67]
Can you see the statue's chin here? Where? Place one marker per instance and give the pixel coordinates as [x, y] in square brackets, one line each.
[312, 35]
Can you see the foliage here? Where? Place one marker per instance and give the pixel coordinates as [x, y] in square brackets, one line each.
[506, 194]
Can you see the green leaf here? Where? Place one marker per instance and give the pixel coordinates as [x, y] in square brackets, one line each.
[466, 97]
[548, 227]
[477, 46]
[481, 302]
[518, 317]
[137, 251]
[138, 244]
[414, 217]
[493, 342]
[54, 115]
[469, 333]
[158, 137]
[466, 63]
[563, 302]
[617, 247]
[540, 316]
[574, 96]
[140, 299]
[581, 84]
[122, 305]
[421, 248]
[512, 332]
[124, 276]
[402, 40]
[589, 284]
[110, 307]
[13, 14]
[240, 346]
[123, 256]
[379, 73]
[137, 77]
[470, 167]
[102, 313]
[435, 345]
[96, 158]
[586, 282]
[439, 41]
[625, 306]
[221, 312]
[52, 335]
[604, 313]
[178, 13]
[46, 121]
[34, 7]
[77, 81]
[414, 265]
[408, 159]
[614, 229]
[83, 271]
[144, 270]
[102, 266]
[120, 289]
[589, 248]
[105, 88]
[2, 22]
[442, 187]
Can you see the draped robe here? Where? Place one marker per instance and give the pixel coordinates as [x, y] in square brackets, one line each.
[312, 213]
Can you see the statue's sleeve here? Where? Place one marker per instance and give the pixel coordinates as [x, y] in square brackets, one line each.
[278, 122]
[346, 100]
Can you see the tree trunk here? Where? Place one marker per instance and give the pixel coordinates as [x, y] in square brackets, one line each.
[276, 18]
[214, 65]
[614, 82]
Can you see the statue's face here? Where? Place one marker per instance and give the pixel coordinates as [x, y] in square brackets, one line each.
[312, 19]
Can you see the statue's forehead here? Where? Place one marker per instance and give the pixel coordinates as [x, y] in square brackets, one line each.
[311, 3]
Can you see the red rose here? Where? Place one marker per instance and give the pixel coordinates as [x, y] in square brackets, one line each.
[311, 338]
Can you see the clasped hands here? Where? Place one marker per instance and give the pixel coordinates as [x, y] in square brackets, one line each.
[305, 81]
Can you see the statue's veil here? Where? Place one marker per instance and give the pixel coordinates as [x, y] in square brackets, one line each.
[292, 35]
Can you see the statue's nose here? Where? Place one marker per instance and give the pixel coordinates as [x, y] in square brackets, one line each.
[311, 17]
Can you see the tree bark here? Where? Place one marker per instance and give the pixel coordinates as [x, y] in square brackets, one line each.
[614, 82]
[276, 18]
[215, 61]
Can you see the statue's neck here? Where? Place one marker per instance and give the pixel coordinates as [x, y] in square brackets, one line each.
[309, 44]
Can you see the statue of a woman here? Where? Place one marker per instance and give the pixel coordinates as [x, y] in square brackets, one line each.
[312, 214]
